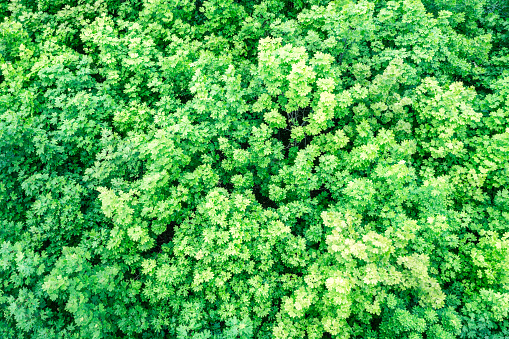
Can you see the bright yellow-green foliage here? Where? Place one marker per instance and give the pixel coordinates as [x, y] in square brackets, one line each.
[254, 169]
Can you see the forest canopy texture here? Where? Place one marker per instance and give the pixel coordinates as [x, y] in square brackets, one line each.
[254, 169]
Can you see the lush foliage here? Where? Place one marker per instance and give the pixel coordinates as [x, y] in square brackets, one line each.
[254, 169]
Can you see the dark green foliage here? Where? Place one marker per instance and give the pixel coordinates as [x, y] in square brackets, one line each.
[254, 169]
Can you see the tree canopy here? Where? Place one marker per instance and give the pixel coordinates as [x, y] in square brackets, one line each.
[254, 169]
